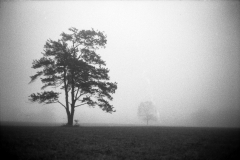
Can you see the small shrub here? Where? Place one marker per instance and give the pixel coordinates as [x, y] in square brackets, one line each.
[76, 123]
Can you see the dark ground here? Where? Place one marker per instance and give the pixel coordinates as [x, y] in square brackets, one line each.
[111, 143]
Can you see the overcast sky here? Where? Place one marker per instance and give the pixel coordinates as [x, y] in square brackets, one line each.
[183, 56]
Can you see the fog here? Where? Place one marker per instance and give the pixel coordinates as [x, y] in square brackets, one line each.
[182, 56]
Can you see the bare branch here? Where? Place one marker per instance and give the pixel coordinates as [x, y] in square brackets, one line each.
[79, 96]
[80, 104]
[80, 55]
[77, 93]
[61, 104]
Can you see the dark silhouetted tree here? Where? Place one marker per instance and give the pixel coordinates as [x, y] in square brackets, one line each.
[72, 64]
[147, 112]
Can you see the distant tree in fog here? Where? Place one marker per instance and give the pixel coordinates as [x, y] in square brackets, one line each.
[147, 112]
[72, 64]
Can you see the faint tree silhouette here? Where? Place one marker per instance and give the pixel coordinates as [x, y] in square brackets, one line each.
[147, 112]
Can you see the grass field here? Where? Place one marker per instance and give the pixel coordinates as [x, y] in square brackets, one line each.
[111, 143]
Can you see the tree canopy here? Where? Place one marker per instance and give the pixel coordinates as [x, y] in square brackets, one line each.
[72, 64]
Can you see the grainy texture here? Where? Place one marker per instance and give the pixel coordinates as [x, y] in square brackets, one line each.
[119, 143]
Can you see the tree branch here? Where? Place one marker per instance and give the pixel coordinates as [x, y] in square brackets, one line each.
[59, 84]
[61, 104]
[80, 104]
[81, 53]
[77, 94]
[76, 46]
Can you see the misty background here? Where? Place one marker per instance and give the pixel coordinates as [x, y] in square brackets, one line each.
[182, 56]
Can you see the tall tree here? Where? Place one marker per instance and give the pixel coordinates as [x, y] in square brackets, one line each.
[147, 112]
[72, 64]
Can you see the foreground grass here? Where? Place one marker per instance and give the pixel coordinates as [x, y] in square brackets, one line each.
[119, 143]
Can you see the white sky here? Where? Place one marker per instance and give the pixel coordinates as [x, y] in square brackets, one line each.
[183, 56]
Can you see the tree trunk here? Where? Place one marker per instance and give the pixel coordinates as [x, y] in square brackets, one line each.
[70, 119]
[70, 116]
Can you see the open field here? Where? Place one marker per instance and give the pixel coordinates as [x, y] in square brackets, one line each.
[111, 143]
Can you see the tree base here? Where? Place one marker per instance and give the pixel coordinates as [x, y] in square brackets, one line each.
[66, 125]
